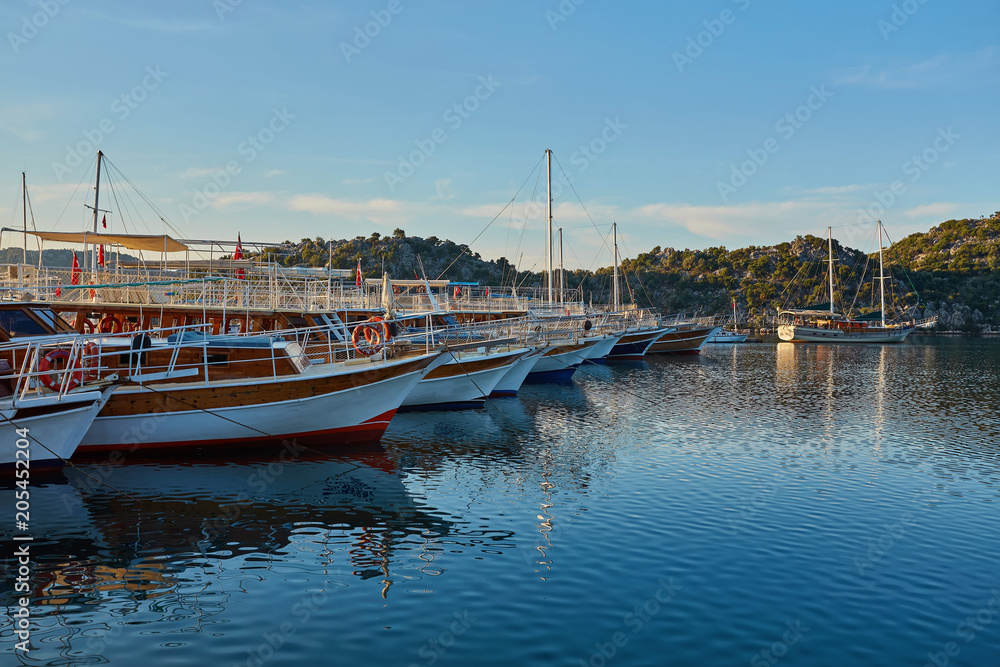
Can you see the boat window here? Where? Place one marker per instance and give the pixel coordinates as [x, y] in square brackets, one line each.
[19, 323]
[50, 318]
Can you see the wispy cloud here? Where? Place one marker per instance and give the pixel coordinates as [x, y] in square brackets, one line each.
[21, 120]
[358, 181]
[239, 200]
[442, 189]
[274, 172]
[379, 211]
[942, 68]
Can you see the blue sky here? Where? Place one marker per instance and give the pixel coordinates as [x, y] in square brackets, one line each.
[691, 124]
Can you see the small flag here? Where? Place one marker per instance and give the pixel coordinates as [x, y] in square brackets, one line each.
[357, 281]
[58, 292]
[487, 292]
[74, 276]
[100, 255]
[458, 292]
[241, 274]
[104, 222]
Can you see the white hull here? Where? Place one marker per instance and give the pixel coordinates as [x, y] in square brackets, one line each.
[602, 348]
[464, 385]
[364, 407]
[52, 437]
[515, 376]
[794, 333]
[559, 361]
[724, 336]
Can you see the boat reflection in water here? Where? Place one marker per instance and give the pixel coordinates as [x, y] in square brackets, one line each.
[173, 540]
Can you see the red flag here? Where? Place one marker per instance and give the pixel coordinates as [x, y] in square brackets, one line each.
[100, 256]
[74, 276]
[487, 291]
[241, 274]
[458, 292]
[104, 223]
[357, 281]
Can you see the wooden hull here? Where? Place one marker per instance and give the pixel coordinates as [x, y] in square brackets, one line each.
[796, 333]
[351, 403]
[635, 345]
[682, 341]
[559, 361]
[602, 348]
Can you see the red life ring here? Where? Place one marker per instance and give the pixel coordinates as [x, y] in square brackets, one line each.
[395, 289]
[372, 339]
[110, 324]
[46, 363]
[87, 327]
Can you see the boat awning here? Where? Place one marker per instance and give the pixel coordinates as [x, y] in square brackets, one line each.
[148, 242]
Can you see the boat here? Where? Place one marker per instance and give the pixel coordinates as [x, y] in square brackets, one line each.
[724, 336]
[817, 325]
[683, 339]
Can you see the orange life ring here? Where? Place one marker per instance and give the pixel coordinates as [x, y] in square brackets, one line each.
[372, 339]
[395, 289]
[386, 332]
[46, 363]
[110, 324]
[88, 326]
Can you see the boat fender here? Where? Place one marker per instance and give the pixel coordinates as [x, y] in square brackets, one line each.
[140, 342]
[46, 363]
[588, 325]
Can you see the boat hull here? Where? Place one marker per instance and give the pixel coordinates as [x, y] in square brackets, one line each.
[341, 405]
[464, 381]
[53, 433]
[512, 380]
[682, 341]
[635, 345]
[602, 348]
[793, 333]
[559, 361]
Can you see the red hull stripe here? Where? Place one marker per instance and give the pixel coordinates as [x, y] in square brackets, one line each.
[369, 431]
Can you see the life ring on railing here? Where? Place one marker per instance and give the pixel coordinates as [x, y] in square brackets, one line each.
[386, 331]
[91, 361]
[367, 339]
[45, 364]
[396, 290]
[110, 324]
[87, 327]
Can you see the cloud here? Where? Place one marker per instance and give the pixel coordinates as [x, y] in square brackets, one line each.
[199, 172]
[941, 69]
[938, 211]
[358, 181]
[20, 119]
[238, 200]
[274, 172]
[379, 211]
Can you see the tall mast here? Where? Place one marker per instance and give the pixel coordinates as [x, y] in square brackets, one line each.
[97, 194]
[829, 233]
[614, 293]
[24, 205]
[548, 207]
[881, 272]
[561, 273]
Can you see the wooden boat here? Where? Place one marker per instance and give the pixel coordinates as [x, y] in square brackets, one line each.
[813, 325]
[684, 339]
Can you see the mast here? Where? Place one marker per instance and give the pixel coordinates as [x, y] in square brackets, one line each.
[614, 293]
[562, 275]
[548, 208]
[97, 194]
[24, 205]
[829, 233]
[881, 272]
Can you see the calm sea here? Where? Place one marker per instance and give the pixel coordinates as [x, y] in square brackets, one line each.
[757, 505]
